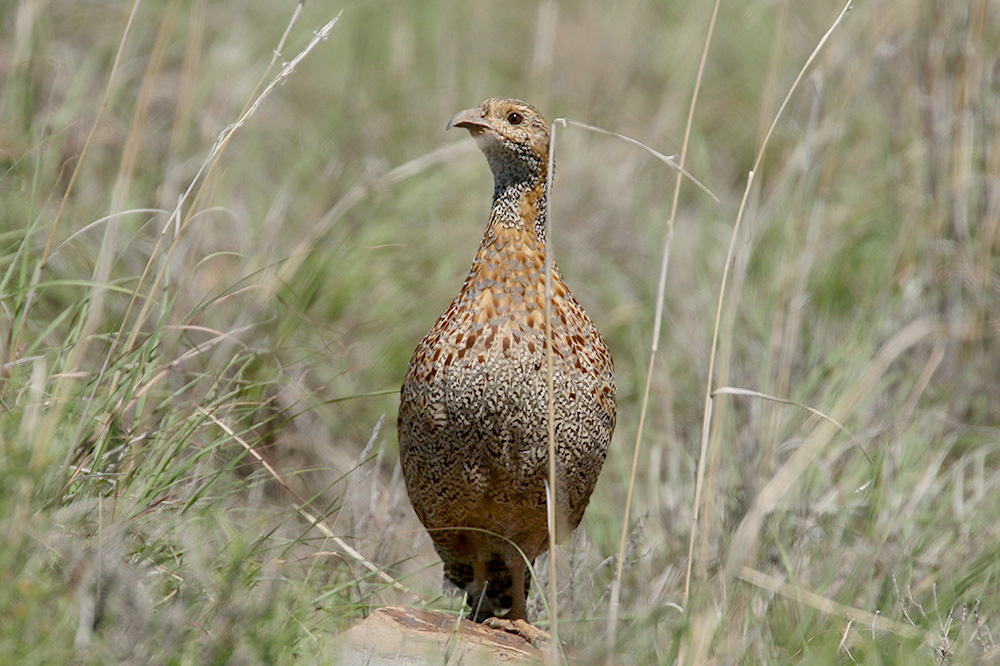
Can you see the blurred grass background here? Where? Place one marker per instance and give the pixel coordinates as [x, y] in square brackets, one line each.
[281, 307]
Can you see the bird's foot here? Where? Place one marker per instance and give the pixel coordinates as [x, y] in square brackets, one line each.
[522, 628]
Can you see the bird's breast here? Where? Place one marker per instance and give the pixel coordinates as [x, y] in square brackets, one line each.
[505, 288]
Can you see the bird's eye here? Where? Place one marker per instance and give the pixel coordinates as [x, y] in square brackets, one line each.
[514, 118]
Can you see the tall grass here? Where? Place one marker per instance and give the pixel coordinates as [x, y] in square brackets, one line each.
[147, 343]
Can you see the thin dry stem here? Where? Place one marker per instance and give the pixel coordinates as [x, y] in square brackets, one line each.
[655, 345]
[550, 496]
[705, 622]
[666, 159]
[732, 390]
[707, 421]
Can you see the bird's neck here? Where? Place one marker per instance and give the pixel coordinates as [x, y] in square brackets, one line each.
[520, 204]
[513, 247]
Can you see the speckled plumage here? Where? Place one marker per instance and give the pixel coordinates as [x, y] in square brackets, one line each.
[473, 416]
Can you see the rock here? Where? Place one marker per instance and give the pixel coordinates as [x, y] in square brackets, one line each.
[400, 636]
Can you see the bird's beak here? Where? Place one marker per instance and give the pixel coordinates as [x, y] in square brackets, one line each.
[471, 119]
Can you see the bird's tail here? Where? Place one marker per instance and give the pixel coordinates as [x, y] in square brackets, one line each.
[499, 594]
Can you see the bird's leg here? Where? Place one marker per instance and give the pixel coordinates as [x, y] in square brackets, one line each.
[518, 608]
[516, 620]
[478, 588]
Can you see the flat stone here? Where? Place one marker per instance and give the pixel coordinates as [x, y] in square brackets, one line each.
[401, 636]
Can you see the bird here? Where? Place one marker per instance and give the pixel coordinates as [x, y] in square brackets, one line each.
[474, 404]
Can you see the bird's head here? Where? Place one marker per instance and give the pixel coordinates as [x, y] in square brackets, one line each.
[512, 134]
